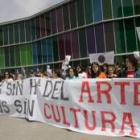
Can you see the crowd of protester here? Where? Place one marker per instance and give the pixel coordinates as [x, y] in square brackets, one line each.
[130, 68]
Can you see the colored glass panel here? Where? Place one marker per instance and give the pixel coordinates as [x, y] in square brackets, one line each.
[17, 56]
[80, 12]
[99, 38]
[37, 28]
[55, 48]
[109, 36]
[44, 51]
[130, 35]
[119, 37]
[91, 40]
[75, 45]
[53, 22]
[97, 10]
[22, 31]
[39, 52]
[7, 57]
[137, 6]
[1, 36]
[73, 18]
[34, 49]
[16, 32]
[59, 15]
[138, 25]
[50, 50]
[107, 9]
[61, 47]
[12, 55]
[5, 32]
[42, 26]
[88, 11]
[11, 34]
[48, 23]
[28, 30]
[117, 8]
[29, 54]
[68, 44]
[127, 7]
[82, 41]
[23, 54]
[66, 17]
[33, 28]
[2, 61]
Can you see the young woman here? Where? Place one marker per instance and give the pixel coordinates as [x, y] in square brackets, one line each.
[111, 72]
[71, 74]
[96, 71]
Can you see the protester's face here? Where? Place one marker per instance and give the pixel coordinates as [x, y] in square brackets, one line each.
[6, 75]
[104, 67]
[79, 69]
[89, 69]
[110, 70]
[128, 63]
[54, 75]
[95, 68]
[71, 72]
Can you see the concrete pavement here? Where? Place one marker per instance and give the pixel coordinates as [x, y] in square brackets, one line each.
[20, 129]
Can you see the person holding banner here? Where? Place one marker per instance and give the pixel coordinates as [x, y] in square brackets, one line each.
[71, 74]
[111, 72]
[96, 71]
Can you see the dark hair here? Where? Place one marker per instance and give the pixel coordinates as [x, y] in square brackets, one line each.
[131, 59]
[57, 72]
[74, 70]
[95, 75]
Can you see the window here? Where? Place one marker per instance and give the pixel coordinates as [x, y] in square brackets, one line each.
[42, 26]
[59, 19]
[28, 30]
[22, 32]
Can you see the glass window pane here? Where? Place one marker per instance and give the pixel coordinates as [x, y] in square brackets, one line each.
[117, 8]
[7, 57]
[16, 32]
[91, 40]
[29, 54]
[39, 52]
[12, 55]
[82, 41]
[66, 17]
[37, 28]
[1, 36]
[5, 32]
[80, 12]
[138, 25]
[61, 47]
[2, 65]
[55, 48]
[28, 30]
[23, 54]
[119, 37]
[44, 51]
[35, 56]
[50, 50]
[22, 32]
[107, 9]
[73, 18]
[68, 44]
[33, 25]
[59, 15]
[42, 26]
[53, 22]
[48, 23]
[88, 11]
[137, 6]
[17, 55]
[75, 45]
[109, 37]
[11, 34]
[130, 35]
[99, 38]
[127, 7]
[97, 10]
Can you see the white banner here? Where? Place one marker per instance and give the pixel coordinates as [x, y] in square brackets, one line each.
[102, 58]
[18, 9]
[104, 107]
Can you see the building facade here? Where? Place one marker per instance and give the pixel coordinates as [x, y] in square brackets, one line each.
[75, 28]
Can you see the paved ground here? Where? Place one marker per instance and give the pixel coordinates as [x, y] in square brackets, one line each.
[19, 129]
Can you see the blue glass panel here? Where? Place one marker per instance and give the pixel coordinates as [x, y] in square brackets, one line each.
[34, 48]
[44, 51]
[50, 50]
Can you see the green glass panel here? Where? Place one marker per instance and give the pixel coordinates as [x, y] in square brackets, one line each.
[1, 57]
[16, 32]
[130, 35]
[127, 7]
[137, 6]
[28, 30]
[82, 39]
[107, 10]
[55, 49]
[11, 34]
[138, 25]
[80, 12]
[17, 55]
[117, 8]
[1, 36]
[22, 32]
[23, 54]
[29, 54]
[119, 37]
[12, 56]
[5, 32]
[7, 56]
[88, 11]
